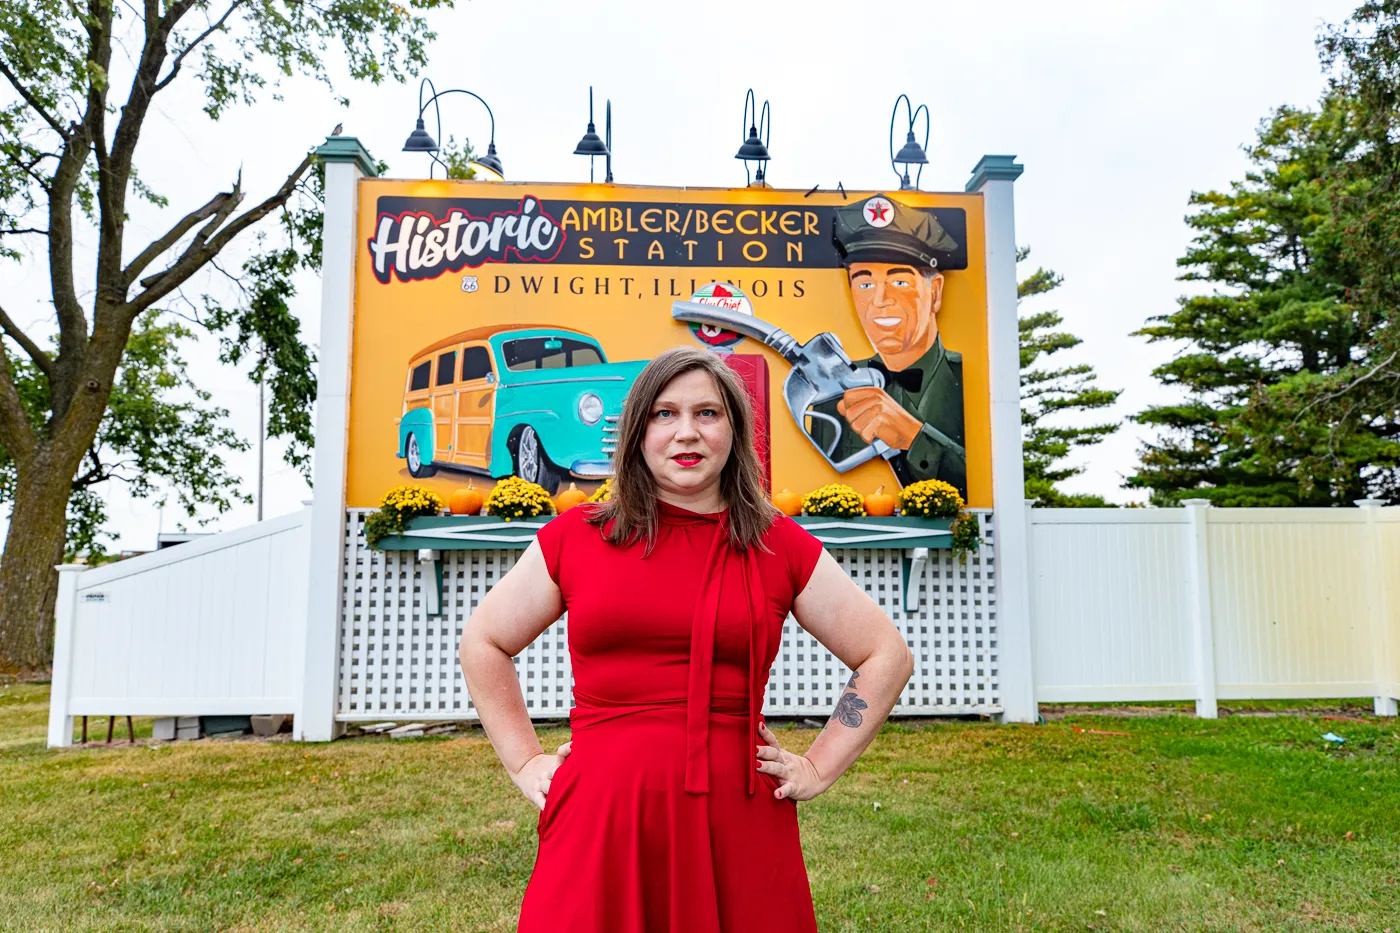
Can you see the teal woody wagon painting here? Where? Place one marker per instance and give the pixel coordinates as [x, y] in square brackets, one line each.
[538, 402]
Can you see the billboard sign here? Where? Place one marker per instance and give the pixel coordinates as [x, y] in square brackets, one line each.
[498, 328]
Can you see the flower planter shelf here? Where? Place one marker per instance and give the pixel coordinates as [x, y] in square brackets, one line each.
[477, 533]
[466, 533]
[896, 532]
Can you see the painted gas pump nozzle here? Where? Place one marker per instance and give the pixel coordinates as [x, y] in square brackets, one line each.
[821, 370]
[822, 361]
[692, 312]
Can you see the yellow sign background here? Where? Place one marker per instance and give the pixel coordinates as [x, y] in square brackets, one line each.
[395, 321]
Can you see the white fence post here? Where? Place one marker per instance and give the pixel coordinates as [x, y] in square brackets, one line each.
[1379, 611]
[994, 178]
[1202, 625]
[346, 163]
[65, 616]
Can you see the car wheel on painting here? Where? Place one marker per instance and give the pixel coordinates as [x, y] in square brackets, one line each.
[416, 467]
[532, 463]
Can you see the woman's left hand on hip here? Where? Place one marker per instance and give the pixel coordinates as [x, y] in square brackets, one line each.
[797, 777]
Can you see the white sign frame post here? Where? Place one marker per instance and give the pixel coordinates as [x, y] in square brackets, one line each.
[993, 178]
[347, 161]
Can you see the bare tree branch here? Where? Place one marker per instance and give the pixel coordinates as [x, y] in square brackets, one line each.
[234, 280]
[97, 472]
[127, 4]
[230, 204]
[28, 169]
[1364, 377]
[36, 353]
[32, 101]
[172, 236]
[16, 231]
[204, 249]
[180, 58]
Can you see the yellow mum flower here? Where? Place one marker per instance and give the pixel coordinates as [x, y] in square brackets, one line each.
[514, 497]
[834, 500]
[930, 498]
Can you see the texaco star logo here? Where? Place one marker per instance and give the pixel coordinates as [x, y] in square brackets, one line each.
[879, 212]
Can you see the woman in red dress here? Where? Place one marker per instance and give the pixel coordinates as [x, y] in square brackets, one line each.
[672, 809]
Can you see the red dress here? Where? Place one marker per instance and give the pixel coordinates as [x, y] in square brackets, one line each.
[658, 821]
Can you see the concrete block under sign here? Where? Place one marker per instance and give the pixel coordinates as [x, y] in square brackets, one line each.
[379, 727]
[269, 725]
[163, 729]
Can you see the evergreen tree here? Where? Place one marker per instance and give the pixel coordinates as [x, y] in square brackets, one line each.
[1048, 392]
[1362, 57]
[1276, 330]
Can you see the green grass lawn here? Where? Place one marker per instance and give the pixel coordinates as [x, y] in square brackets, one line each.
[1246, 823]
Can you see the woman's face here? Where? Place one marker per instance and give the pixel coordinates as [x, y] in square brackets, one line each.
[688, 437]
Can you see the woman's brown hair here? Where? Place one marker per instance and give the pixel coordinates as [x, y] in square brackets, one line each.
[631, 513]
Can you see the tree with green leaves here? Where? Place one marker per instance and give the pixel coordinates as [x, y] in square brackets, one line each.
[69, 134]
[160, 437]
[1277, 332]
[1047, 393]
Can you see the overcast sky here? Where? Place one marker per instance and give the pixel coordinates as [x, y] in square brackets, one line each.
[1118, 110]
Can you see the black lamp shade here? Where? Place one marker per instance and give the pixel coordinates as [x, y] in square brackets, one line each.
[753, 148]
[911, 153]
[420, 141]
[491, 161]
[591, 144]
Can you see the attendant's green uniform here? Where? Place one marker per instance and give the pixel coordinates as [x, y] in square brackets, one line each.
[881, 230]
[938, 450]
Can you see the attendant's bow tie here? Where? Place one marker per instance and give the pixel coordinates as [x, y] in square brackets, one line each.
[911, 380]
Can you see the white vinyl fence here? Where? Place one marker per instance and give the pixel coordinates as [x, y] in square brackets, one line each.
[1215, 604]
[1126, 605]
[213, 626]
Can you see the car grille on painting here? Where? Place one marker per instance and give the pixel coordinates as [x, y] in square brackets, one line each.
[609, 445]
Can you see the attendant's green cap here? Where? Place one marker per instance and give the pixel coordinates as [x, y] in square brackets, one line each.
[880, 229]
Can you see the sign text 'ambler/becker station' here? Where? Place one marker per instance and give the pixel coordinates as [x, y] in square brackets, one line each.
[421, 238]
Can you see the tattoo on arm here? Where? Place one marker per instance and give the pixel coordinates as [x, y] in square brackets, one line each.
[848, 708]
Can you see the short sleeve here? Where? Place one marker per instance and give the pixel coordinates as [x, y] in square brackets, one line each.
[551, 541]
[801, 549]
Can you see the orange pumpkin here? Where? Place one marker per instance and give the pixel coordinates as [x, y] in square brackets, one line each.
[465, 501]
[569, 498]
[880, 503]
[788, 502]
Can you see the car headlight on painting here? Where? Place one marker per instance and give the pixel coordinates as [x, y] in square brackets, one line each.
[590, 408]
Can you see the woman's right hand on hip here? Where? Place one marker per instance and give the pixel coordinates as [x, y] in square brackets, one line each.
[535, 775]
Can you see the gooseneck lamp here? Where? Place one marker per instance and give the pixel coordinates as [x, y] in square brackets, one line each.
[420, 140]
[755, 147]
[911, 153]
[591, 145]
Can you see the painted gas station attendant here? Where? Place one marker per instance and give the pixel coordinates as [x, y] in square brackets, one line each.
[892, 256]
[672, 809]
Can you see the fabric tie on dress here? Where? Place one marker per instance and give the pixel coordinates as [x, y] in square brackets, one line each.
[702, 652]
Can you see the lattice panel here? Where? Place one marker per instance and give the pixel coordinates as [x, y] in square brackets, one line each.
[398, 662]
[953, 636]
